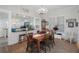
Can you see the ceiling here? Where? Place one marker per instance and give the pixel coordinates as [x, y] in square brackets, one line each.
[3, 15]
[32, 9]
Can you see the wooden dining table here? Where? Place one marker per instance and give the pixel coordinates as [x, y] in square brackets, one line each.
[39, 38]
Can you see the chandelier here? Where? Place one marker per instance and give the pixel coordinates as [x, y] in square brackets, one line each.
[42, 11]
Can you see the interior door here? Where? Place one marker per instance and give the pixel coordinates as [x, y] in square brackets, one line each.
[60, 23]
[3, 28]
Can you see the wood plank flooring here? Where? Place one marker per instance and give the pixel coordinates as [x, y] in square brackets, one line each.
[60, 47]
[63, 47]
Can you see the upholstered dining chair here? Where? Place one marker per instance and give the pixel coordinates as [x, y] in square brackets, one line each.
[69, 36]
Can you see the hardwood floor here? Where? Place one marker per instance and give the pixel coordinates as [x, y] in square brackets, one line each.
[63, 47]
[3, 44]
[60, 47]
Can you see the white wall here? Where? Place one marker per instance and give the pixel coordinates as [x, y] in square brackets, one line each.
[70, 12]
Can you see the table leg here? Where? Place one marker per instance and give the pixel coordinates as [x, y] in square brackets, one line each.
[38, 43]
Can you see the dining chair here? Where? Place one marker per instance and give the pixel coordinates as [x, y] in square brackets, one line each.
[51, 38]
[43, 44]
[46, 43]
[31, 45]
[38, 31]
[71, 34]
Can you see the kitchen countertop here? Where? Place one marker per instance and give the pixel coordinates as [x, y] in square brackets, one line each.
[14, 36]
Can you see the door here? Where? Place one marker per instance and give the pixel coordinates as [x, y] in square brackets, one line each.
[3, 28]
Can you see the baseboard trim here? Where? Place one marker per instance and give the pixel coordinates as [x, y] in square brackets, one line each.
[2, 37]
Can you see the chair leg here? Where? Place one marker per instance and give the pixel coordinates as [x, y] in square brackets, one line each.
[70, 41]
[27, 49]
[49, 45]
[53, 42]
[49, 48]
[45, 50]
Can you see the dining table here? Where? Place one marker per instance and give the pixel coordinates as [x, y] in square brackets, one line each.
[39, 38]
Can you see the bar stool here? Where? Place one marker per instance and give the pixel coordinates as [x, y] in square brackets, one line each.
[21, 37]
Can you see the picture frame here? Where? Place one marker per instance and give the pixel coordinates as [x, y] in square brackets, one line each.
[70, 24]
[76, 24]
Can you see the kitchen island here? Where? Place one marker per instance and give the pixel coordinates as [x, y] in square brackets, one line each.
[14, 36]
